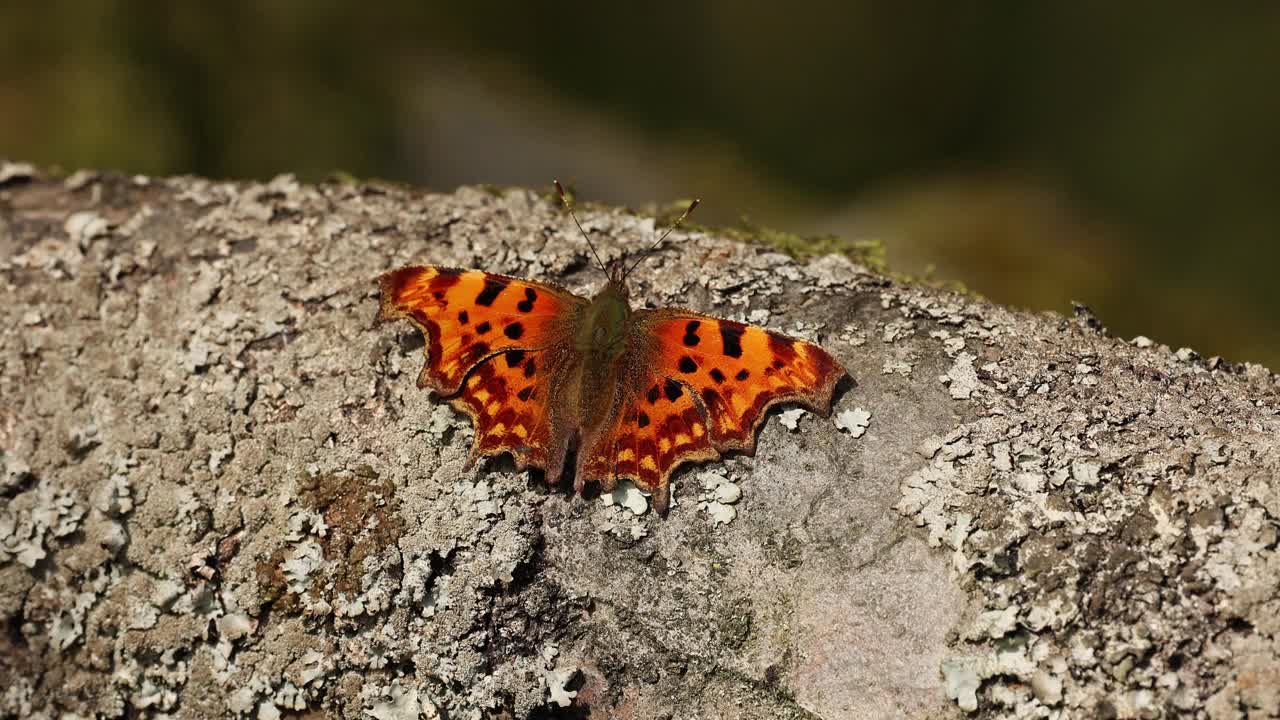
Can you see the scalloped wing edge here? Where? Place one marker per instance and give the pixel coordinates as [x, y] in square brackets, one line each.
[817, 401]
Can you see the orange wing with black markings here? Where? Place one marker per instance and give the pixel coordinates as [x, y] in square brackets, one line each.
[738, 371]
[659, 423]
[538, 368]
[493, 345]
[508, 396]
[468, 315]
[697, 386]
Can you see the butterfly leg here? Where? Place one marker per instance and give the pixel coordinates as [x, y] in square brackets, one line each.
[472, 456]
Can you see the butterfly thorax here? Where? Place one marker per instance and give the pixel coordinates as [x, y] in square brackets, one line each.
[601, 337]
[601, 341]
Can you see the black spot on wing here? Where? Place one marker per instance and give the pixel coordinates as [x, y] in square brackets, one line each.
[513, 331]
[529, 368]
[514, 358]
[643, 420]
[652, 395]
[742, 374]
[530, 297]
[463, 318]
[525, 393]
[782, 346]
[710, 398]
[731, 335]
[484, 327]
[672, 390]
[717, 375]
[691, 333]
[492, 288]
[687, 365]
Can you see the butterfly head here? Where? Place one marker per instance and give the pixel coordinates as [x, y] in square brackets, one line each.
[615, 292]
[603, 329]
[617, 272]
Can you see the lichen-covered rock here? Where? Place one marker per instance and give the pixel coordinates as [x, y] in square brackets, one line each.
[222, 495]
[1107, 510]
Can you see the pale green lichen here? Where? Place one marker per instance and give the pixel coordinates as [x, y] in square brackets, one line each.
[962, 682]
[790, 418]
[628, 496]
[719, 494]
[401, 703]
[855, 421]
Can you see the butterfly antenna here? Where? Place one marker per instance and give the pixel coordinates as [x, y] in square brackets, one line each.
[655, 245]
[569, 206]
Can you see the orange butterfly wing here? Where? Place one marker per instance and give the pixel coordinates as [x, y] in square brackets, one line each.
[658, 424]
[697, 385]
[739, 371]
[493, 345]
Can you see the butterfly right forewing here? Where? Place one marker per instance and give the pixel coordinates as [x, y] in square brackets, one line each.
[738, 371]
[694, 386]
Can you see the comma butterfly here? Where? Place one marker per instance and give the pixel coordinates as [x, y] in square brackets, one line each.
[637, 392]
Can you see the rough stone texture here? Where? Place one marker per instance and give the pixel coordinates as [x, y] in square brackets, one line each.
[221, 493]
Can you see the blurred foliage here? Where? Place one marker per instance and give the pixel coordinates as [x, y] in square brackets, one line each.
[1122, 155]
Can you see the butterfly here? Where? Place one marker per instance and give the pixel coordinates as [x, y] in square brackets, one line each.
[636, 392]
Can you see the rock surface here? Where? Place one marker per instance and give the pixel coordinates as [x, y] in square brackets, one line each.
[221, 493]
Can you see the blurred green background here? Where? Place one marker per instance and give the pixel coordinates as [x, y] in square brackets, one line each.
[1123, 155]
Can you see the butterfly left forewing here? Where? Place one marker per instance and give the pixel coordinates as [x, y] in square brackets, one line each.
[493, 345]
[468, 315]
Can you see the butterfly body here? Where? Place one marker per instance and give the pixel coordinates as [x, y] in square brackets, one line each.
[636, 391]
[603, 328]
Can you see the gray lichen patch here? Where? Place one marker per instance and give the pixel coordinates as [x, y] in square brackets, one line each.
[719, 495]
[221, 493]
[962, 379]
[28, 530]
[1107, 509]
[855, 421]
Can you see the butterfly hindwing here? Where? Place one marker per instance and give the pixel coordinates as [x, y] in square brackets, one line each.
[659, 423]
[508, 396]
